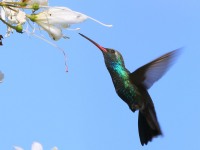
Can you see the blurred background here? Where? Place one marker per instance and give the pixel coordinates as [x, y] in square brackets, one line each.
[80, 110]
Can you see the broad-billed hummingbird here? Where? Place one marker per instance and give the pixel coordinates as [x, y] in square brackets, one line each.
[132, 87]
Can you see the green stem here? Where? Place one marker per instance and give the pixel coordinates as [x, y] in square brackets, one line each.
[18, 5]
[31, 17]
[14, 4]
[18, 28]
[13, 27]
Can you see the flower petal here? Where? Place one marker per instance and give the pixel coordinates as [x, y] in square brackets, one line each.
[60, 16]
[18, 148]
[3, 14]
[21, 17]
[36, 146]
[54, 32]
[54, 148]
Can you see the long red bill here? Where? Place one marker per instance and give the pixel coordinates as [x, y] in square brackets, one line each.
[97, 45]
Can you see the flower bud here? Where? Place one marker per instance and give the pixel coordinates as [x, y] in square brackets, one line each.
[19, 28]
[35, 6]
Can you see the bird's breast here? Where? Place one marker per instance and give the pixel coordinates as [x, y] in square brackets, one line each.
[125, 89]
[128, 92]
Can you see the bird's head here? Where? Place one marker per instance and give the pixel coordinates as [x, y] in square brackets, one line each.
[111, 56]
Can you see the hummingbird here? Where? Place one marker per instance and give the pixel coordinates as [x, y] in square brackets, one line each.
[132, 87]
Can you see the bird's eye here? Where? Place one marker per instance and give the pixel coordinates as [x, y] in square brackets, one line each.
[112, 51]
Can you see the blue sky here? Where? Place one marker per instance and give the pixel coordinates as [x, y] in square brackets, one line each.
[80, 110]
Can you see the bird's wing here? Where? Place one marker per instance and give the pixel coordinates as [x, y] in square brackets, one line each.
[154, 70]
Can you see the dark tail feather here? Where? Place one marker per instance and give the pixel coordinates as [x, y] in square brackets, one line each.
[148, 125]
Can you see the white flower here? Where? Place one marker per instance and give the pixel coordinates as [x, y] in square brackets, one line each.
[35, 146]
[7, 0]
[54, 32]
[9, 30]
[40, 2]
[12, 16]
[60, 16]
[63, 16]
[1, 77]
[2, 14]
[21, 17]
[54, 19]
[15, 16]
[18, 148]
[54, 148]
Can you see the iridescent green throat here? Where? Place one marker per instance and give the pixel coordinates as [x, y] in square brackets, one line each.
[120, 69]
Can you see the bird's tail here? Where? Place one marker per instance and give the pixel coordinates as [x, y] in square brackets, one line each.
[148, 124]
